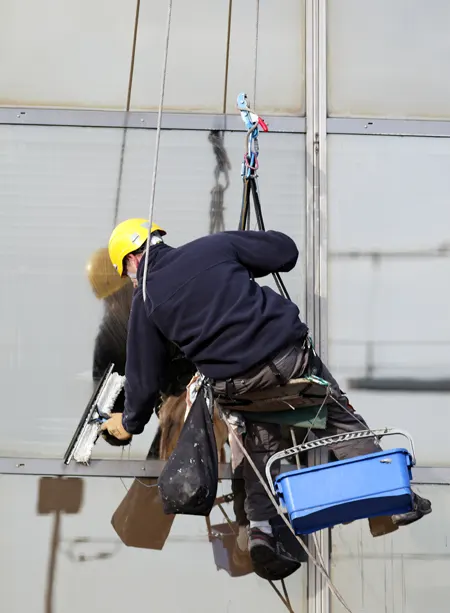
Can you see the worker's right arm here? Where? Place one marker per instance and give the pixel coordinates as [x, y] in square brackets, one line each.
[145, 365]
[264, 252]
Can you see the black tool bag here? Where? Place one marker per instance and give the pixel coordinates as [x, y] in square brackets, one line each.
[188, 481]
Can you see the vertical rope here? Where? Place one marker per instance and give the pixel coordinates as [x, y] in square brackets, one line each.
[158, 137]
[127, 108]
[284, 600]
[256, 55]
[227, 58]
[133, 53]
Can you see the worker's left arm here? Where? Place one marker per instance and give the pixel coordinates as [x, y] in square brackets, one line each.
[264, 252]
[145, 365]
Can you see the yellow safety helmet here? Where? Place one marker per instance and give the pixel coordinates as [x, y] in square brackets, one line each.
[127, 237]
[102, 275]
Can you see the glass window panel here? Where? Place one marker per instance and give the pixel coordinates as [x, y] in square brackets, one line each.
[65, 54]
[391, 190]
[84, 59]
[280, 74]
[404, 572]
[388, 317]
[89, 556]
[386, 59]
[196, 59]
[58, 191]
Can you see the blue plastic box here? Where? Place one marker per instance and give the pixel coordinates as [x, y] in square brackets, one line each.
[329, 494]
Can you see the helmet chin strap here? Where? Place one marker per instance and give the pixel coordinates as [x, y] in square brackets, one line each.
[154, 240]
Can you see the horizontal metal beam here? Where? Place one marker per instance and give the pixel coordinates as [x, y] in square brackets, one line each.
[442, 251]
[152, 469]
[388, 127]
[431, 475]
[142, 120]
[210, 121]
[97, 468]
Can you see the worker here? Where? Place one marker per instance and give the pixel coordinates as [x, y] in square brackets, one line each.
[242, 336]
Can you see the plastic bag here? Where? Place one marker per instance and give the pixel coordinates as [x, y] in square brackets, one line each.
[188, 481]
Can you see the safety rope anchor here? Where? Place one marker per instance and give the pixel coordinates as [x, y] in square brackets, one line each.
[253, 123]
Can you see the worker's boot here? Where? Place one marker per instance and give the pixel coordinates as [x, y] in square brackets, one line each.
[421, 507]
[270, 559]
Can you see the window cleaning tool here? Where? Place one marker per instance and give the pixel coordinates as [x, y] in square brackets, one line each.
[97, 411]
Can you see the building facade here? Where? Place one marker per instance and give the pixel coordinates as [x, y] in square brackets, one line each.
[354, 167]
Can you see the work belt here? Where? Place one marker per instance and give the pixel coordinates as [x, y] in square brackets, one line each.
[226, 388]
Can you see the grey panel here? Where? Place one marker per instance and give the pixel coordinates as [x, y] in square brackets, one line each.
[196, 59]
[90, 559]
[84, 59]
[389, 194]
[280, 51]
[393, 192]
[405, 572]
[58, 191]
[387, 59]
[65, 54]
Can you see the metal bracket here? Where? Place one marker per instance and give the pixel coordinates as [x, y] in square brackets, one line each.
[252, 122]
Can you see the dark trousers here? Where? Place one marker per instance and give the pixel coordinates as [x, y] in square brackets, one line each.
[262, 440]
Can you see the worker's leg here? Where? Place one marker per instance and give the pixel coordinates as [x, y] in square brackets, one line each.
[342, 418]
[261, 442]
[238, 489]
[270, 559]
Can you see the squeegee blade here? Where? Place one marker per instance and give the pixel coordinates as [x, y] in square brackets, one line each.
[102, 401]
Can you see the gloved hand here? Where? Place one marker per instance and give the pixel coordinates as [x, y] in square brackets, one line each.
[113, 441]
[115, 428]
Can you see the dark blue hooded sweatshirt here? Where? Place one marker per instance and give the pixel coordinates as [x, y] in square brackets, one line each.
[201, 297]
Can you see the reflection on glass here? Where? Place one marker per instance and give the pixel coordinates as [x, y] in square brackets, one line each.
[83, 564]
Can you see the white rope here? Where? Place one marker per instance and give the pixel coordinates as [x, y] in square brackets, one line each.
[321, 569]
[158, 135]
[314, 536]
